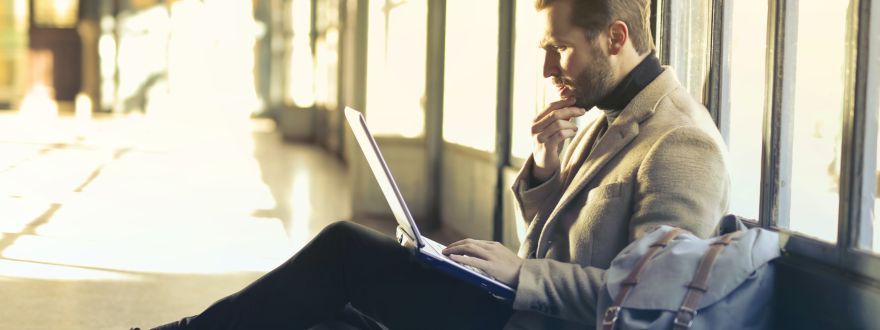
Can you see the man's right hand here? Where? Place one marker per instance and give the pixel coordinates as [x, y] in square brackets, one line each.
[549, 130]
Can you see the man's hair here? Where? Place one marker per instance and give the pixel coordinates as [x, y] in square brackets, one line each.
[596, 15]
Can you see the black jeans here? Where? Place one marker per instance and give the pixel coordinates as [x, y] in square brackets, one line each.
[350, 267]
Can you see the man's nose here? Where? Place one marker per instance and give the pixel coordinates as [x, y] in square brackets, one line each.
[551, 65]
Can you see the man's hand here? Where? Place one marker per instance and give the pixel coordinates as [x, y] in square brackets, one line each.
[492, 257]
[549, 130]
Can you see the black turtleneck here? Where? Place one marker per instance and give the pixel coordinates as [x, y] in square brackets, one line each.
[631, 85]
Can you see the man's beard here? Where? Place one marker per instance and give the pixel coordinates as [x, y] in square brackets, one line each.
[593, 83]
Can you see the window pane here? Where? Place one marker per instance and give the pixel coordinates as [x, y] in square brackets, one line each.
[326, 53]
[874, 241]
[301, 67]
[56, 13]
[689, 44]
[471, 73]
[747, 61]
[529, 85]
[396, 53]
[817, 119]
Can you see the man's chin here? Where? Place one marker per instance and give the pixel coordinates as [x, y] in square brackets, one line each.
[585, 104]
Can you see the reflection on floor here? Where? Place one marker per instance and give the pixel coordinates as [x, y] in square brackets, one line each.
[118, 222]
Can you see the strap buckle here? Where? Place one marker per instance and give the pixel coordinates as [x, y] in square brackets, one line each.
[611, 315]
[689, 316]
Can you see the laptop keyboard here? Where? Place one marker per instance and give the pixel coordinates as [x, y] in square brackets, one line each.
[439, 247]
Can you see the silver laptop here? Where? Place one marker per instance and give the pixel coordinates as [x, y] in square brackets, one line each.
[426, 250]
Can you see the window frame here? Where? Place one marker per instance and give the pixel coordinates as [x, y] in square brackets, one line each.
[859, 137]
[503, 64]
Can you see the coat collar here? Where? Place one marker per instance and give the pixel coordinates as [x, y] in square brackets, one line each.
[624, 129]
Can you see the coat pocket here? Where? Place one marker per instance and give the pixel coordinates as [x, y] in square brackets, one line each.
[607, 191]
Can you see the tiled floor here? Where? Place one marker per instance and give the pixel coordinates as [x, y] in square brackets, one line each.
[134, 221]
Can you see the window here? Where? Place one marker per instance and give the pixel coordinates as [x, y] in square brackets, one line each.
[529, 95]
[301, 67]
[56, 13]
[396, 66]
[874, 239]
[471, 73]
[327, 53]
[817, 120]
[689, 44]
[748, 66]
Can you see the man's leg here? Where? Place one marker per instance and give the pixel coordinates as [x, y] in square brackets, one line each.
[349, 263]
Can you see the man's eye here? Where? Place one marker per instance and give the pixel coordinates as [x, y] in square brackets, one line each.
[561, 48]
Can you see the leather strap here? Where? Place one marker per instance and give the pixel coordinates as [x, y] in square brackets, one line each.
[611, 314]
[700, 284]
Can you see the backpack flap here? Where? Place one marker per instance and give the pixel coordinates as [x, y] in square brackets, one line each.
[663, 283]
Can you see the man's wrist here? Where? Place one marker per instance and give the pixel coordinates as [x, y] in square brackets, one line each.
[540, 174]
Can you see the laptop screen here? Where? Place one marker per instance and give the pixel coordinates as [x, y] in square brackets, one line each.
[383, 176]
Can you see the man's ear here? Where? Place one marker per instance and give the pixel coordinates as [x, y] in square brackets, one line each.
[619, 34]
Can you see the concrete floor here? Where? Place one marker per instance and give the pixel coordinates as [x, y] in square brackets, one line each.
[116, 222]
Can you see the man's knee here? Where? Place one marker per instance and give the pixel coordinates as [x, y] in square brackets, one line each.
[339, 229]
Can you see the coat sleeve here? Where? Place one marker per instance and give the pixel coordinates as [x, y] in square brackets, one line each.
[682, 182]
[559, 289]
[529, 199]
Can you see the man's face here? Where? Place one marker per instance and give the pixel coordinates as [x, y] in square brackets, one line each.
[579, 67]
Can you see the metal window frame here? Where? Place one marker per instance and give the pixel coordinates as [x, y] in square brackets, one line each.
[778, 110]
[718, 96]
[859, 145]
[778, 138]
[663, 30]
[436, 61]
[859, 161]
[503, 115]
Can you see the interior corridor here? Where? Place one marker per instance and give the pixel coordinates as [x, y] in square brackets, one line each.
[132, 221]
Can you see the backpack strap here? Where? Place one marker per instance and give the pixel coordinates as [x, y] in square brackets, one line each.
[626, 286]
[700, 284]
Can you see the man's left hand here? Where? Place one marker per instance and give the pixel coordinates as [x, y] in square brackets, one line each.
[492, 257]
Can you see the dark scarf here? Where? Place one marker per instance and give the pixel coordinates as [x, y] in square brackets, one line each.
[631, 85]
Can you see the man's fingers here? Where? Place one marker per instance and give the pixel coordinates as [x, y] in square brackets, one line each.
[471, 249]
[555, 106]
[550, 137]
[555, 126]
[464, 241]
[470, 261]
[564, 114]
[557, 138]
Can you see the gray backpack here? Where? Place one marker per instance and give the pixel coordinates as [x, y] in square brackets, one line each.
[670, 279]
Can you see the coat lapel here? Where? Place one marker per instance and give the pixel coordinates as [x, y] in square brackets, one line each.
[624, 129]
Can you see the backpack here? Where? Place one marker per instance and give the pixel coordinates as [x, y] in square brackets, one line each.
[670, 279]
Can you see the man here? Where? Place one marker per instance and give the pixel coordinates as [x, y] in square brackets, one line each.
[653, 158]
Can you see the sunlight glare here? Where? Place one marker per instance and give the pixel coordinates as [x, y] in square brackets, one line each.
[302, 211]
[302, 82]
[396, 62]
[471, 71]
[39, 271]
[39, 104]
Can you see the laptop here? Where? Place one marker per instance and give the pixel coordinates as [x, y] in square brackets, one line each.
[426, 250]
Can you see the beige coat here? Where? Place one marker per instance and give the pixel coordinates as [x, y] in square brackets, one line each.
[662, 161]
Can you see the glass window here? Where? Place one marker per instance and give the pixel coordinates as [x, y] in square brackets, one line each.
[327, 53]
[529, 95]
[301, 82]
[819, 88]
[689, 44]
[875, 190]
[471, 73]
[13, 50]
[748, 67]
[396, 65]
[56, 13]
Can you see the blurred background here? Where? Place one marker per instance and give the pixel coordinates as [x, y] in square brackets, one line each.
[156, 155]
